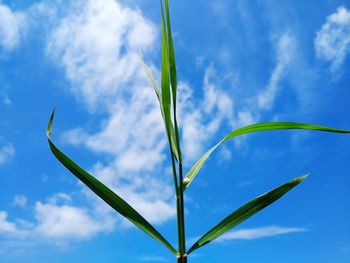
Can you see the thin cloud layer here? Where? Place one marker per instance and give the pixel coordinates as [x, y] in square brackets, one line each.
[6, 227]
[7, 151]
[261, 232]
[285, 50]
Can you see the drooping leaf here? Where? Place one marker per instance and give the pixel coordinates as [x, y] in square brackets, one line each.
[259, 127]
[159, 97]
[111, 198]
[245, 212]
[150, 77]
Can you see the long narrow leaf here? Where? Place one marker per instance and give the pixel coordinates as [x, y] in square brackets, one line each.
[165, 82]
[172, 62]
[111, 198]
[166, 93]
[245, 212]
[173, 75]
[259, 127]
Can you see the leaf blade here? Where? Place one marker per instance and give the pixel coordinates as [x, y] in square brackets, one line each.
[246, 211]
[173, 76]
[258, 127]
[111, 198]
[172, 60]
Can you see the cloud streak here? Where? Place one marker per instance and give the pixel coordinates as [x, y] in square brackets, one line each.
[258, 233]
[7, 151]
[285, 49]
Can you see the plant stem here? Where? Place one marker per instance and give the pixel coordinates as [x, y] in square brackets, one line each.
[182, 259]
[181, 216]
[177, 202]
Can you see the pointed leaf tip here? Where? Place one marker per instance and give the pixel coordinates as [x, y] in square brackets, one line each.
[246, 211]
[253, 128]
[49, 125]
[302, 178]
[106, 194]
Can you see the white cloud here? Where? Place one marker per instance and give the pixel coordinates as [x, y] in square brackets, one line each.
[97, 45]
[56, 220]
[285, 50]
[7, 151]
[261, 232]
[20, 200]
[333, 40]
[6, 227]
[201, 118]
[11, 27]
[65, 222]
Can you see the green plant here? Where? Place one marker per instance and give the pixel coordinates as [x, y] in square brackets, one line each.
[167, 100]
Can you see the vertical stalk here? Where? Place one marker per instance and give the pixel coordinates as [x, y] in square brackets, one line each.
[177, 193]
[182, 259]
[182, 249]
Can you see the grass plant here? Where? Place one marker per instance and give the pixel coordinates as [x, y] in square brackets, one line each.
[167, 95]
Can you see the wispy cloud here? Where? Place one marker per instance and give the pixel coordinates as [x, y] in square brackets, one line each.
[20, 201]
[7, 151]
[11, 27]
[333, 40]
[6, 227]
[55, 219]
[261, 232]
[285, 49]
[5, 99]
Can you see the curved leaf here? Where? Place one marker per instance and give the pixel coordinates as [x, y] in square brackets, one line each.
[111, 198]
[174, 147]
[245, 212]
[258, 127]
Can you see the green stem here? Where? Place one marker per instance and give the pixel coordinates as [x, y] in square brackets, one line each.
[178, 207]
[182, 214]
[182, 259]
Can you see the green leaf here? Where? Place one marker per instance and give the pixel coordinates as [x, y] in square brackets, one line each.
[150, 78]
[172, 61]
[173, 75]
[165, 82]
[159, 97]
[111, 198]
[166, 93]
[245, 212]
[259, 127]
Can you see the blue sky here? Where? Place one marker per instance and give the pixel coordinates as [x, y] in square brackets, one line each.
[239, 62]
